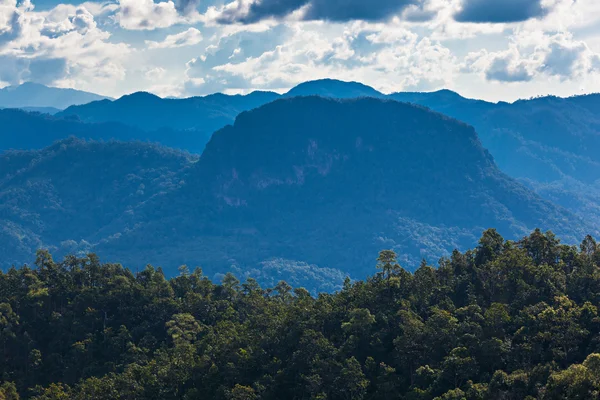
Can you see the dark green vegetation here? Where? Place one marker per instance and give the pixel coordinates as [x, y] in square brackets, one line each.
[303, 189]
[508, 320]
[34, 95]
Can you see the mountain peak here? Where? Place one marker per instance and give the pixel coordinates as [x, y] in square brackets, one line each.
[333, 88]
[142, 95]
[32, 94]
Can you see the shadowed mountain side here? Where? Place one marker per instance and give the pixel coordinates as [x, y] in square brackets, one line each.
[333, 182]
[549, 143]
[23, 130]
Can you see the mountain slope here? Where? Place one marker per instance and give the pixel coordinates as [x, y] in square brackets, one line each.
[36, 95]
[29, 130]
[66, 196]
[549, 143]
[331, 183]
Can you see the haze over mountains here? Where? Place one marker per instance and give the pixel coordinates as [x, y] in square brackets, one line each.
[549, 143]
[307, 189]
[302, 188]
[37, 97]
[23, 130]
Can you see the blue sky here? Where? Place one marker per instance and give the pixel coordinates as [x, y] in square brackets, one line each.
[490, 49]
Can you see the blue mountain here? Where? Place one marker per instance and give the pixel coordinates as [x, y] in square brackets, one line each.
[306, 189]
[36, 95]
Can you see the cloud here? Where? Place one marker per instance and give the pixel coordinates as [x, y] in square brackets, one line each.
[186, 38]
[502, 66]
[563, 57]
[63, 46]
[148, 15]
[535, 53]
[501, 70]
[11, 21]
[12, 69]
[251, 11]
[498, 11]
[186, 7]
[48, 70]
[388, 56]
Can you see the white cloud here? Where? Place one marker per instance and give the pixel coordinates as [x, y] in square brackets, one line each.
[155, 74]
[148, 15]
[189, 37]
[63, 46]
[388, 56]
[535, 54]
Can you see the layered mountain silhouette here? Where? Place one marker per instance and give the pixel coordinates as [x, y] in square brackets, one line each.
[37, 96]
[549, 143]
[305, 189]
[147, 111]
[23, 130]
[208, 113]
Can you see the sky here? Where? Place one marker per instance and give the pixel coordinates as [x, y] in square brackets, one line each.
[489, 49]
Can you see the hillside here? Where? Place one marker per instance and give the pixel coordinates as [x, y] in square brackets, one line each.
[35, 95]
[548, 143]
[65, 197]
[330, 183]
[23, 130]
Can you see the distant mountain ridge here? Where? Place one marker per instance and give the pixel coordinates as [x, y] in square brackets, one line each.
[334, 89]
[303, 186]
[31, 94]
[548, 143]
[23, 130]
[147, 111]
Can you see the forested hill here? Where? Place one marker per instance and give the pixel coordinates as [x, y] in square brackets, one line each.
[74, 194]
[550, 143]
[330, 182]
[507, 320]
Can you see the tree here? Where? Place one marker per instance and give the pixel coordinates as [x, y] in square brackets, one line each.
[8, 391]
[387, 262]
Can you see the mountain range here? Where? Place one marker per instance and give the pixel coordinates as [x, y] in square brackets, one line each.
[549, 143]
[32, 130]
[37, 97]
[306, 189]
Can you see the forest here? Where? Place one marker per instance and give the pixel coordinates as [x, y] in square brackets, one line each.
[506, 320]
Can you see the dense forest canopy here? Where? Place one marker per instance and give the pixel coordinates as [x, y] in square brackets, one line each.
[507, 320]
